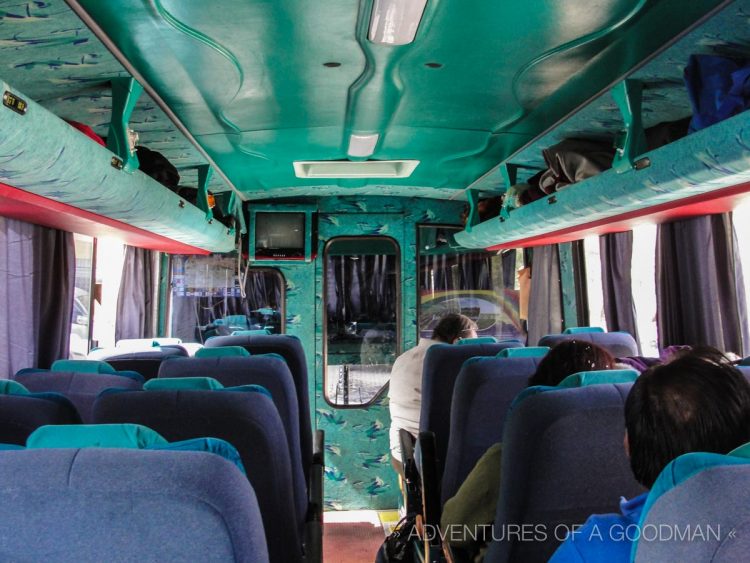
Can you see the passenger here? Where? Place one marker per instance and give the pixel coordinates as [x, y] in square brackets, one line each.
[696, 403]
[473, 506]
[405, 392]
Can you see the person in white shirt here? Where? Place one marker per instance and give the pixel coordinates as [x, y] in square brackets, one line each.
[405, 392]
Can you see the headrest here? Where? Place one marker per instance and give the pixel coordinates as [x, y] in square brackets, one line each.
[212, 445]
[478, 340]
[175, 383]
[84, 366]
[599, 377]
[581, 329]
[524, 352]
[94, 436]
[253, 332]
[221, 351]
[742, 451]
[9, 387]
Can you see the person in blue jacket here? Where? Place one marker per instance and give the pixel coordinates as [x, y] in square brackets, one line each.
[696, 403]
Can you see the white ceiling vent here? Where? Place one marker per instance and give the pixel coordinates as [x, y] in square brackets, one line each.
[347, 169]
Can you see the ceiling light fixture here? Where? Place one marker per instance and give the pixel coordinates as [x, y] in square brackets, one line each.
[362, 145]
[395, 22]
[347, 169]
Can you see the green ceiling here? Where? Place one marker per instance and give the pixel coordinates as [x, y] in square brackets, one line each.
[247, 78]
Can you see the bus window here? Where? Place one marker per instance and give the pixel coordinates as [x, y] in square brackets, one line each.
[362, 317]
[643, 274]
[80, 319]
[208, 300]
[595, 292]
[110, 257]
[481, 285]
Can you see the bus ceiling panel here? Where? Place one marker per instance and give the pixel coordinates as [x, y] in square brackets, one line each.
[695, 166]
[43, 155]
[506, 70]
[51, 56]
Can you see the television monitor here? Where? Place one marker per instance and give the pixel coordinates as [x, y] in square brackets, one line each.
[279, 235]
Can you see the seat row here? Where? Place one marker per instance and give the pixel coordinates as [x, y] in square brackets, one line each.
[251, 401]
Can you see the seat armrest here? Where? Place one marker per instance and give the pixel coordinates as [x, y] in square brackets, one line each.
[314, 520]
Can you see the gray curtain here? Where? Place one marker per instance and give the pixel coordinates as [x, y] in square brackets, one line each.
[545, 300]
[136, 306]
[37, 281]
[699, 286]
[616, 250]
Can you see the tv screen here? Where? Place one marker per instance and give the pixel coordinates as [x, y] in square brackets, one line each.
[280, 235]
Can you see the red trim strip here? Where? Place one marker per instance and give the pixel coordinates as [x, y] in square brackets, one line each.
[718, 201]
[33, 208]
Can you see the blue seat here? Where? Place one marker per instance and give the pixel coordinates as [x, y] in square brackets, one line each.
[145, 362]
[268, 371]
[22, 412]
[441, 366]
[619, 344]
[81, 388]
[126, 505]
[484, 391]
[702, 497]
[289, 348]
[247, 420]
[563, 460]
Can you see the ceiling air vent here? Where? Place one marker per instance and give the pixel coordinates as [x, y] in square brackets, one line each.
[348, 169]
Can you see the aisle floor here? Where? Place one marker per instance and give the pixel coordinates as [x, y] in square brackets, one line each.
[355, 536]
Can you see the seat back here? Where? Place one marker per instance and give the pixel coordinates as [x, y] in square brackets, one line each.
[619, 344]
[81, 388]
[247, 420]
[441, 366]
[563, 460]
[126, 505]
[697, 511]
[21, 414]
[289, 348]
[268, 371]
[145, 362]
[484, 391]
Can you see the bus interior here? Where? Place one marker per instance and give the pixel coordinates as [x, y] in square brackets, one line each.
[281, 198]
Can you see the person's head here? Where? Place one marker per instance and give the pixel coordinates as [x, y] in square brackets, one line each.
[569, 357]
[698, 402]
[453, 327]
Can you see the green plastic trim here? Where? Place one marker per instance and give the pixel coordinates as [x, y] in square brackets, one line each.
[10, 387]
[222, 351]
[133, 436]
[583, 329]
[178, 383]
[165, 285]
[125, 94]
[599, 377]
[628, 96]
[472, 197]
[524, 352]
[83, 366]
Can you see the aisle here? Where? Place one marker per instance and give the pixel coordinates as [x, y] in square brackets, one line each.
[355, 536]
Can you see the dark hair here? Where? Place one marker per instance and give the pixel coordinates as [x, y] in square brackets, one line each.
[453, 326]
[696, 403]
[569, 357]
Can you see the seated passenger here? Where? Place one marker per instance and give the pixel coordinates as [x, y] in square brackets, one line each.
[696, 403]
[473, 505]
[405, 392]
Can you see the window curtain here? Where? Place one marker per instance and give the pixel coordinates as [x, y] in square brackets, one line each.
[699, 285]
[37, 281]
[616, 251]
[136, 302]
[545, 300]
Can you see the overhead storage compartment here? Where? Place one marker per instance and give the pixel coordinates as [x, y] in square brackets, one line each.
[42, 155]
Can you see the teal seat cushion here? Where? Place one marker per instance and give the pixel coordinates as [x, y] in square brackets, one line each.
[478, 340]
[524, 352]
[83, 366]
[9, 387]
[133, 436]
[599, 377]
[250, 389]
[582, 329]
[221, 351]
[211, 445]
[177, 383]
[253, 332]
